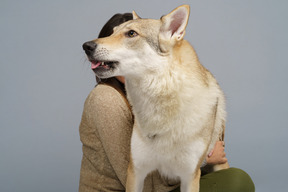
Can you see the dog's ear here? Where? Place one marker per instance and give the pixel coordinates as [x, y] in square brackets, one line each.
[135, 16]
[174, 24]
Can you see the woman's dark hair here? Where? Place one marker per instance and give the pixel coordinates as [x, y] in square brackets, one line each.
[116, 20]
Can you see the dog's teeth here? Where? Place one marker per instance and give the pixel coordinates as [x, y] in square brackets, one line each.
[102, 63]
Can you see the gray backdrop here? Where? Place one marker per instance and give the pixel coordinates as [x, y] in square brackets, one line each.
[45, 78]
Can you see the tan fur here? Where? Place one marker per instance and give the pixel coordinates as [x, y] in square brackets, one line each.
[178, 105]
[130, 183]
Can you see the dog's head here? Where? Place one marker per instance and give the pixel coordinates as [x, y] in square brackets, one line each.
[139, 46]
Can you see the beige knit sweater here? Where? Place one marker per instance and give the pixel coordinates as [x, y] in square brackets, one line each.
[105, 131]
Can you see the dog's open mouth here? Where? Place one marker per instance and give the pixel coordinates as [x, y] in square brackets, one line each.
[102, 65]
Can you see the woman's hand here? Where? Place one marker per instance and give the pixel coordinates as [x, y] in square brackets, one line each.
[217, 155]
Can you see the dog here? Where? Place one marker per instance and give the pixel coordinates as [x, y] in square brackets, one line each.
[178, 106]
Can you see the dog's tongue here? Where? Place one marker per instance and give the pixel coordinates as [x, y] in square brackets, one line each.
[95, 65]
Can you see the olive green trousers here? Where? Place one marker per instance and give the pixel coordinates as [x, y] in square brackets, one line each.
[227, 180]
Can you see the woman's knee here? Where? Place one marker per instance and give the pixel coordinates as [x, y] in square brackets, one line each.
[240, 181]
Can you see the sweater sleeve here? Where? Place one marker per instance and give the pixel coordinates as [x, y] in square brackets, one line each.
[108, 117]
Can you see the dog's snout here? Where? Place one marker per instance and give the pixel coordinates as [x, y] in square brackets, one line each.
[89, 47]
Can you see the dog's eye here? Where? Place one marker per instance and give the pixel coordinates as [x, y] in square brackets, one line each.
[131, 33]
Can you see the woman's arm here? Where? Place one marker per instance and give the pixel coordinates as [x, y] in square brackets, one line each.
[106, 140]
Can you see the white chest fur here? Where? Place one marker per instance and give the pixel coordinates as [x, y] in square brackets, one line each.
[172, 126]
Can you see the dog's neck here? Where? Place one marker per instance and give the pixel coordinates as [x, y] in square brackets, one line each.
[148, 96]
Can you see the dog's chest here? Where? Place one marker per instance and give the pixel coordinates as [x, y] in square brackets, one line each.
[160, 109]
[172, 155]
[172, 115]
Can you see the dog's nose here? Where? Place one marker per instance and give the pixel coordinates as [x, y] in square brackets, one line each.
[89, 47]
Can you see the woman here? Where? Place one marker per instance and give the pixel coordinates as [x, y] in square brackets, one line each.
[105, 132]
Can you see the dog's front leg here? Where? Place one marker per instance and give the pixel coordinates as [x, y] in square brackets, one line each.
[191, 183]
[135, 181]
